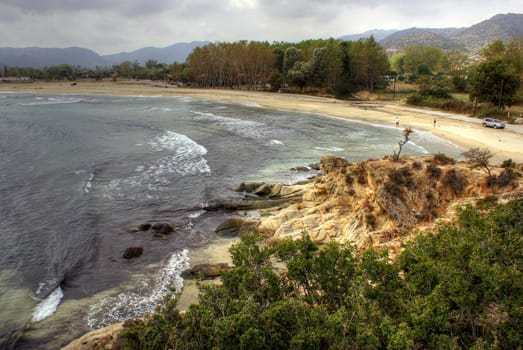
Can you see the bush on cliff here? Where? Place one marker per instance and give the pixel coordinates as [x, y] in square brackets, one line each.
[458, 288]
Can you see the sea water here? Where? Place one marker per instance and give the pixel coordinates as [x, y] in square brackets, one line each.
[77, 170]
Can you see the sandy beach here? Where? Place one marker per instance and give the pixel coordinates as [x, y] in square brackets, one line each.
[462, 130]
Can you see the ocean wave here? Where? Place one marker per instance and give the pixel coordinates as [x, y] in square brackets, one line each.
[144, 301]
[191, 217]
[48, 306]
[184, 99]
[251, 104]
[196, 214]
[417, 148]
[184, 157]
[89, 183]
[240, 127]
[52, 101]
[329, 149]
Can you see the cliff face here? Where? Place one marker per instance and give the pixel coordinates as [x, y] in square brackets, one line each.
[378, 202]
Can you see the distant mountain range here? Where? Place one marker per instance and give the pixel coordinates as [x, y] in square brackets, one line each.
[75, 56]
[470, 40]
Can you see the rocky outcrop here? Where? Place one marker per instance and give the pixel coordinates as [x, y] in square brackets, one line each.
[163, 228]
[104, 338]
[377, 202]
[236, 226]
[132, 252]
[206, 271]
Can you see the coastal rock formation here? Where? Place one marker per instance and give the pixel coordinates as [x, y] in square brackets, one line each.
[162, 228]
[206, 270]
[235, 226]
[144, 227]
[377, 202]
[104, 338]
[132, 252]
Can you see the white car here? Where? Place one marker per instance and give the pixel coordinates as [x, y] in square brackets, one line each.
[493, 123]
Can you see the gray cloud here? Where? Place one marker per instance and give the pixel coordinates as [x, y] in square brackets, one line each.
[109, 26]
[125, 7]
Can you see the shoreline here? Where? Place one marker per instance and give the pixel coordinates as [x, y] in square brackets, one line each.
[461, 130]
[376, 112]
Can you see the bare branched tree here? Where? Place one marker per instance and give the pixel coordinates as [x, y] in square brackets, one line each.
[480, 158]
[406, 134]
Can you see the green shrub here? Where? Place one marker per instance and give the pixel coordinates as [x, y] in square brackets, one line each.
[459, 287]
[455, 181]
[508, 163]
[506, 177]
[442, 159]
[487, 202]
[433, 171]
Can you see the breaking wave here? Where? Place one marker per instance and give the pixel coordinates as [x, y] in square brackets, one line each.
[48, 306]
[180, 156]
[143, 301]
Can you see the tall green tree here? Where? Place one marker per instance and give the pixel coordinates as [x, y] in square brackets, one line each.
[427, 58]
[397, 63]
[370, 63]
[291, 56]
[494, 83]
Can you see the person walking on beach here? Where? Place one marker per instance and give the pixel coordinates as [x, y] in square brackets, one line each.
[397, 121]
[434, 122]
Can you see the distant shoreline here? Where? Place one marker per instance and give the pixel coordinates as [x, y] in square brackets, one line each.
[459, 129]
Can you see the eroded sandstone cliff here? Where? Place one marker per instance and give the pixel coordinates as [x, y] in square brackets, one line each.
[380, 202]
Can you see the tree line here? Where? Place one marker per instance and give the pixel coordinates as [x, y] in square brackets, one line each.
[328, 66]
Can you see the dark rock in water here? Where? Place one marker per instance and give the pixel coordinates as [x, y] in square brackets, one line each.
[263, 190]
[206, 270]
[236, 226]
[314, 166]
[250, 204]
[300, 168]
[144, 227]
[160, 235]
[132, 252]
[163, 228]
[248, 187]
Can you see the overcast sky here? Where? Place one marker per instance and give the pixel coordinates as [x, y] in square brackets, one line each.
[111, 26]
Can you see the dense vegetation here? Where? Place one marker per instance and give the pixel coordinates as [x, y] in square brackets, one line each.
[335, 67]
[458, 288]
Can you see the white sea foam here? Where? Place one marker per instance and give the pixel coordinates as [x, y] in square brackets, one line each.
[240, 127]
[192, 216]
[179, 156]
[52, 101]
[251, 104]
[184, 99]
[196, 214]
[48, 306]
[418, 148]
[43, 285]
[143, 301]
[329, 149]
[89, 183]
[276, 142]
